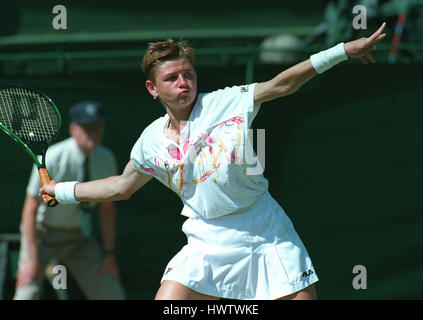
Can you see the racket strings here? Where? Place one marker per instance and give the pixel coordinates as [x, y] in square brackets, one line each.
[28, 115]
[15, 115]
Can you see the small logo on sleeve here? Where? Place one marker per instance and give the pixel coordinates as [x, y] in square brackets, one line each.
[307, 273]
[244, 89]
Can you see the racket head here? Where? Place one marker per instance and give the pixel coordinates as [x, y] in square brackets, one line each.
[30, 118]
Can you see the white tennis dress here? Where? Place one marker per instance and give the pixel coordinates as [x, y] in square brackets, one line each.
[241, 244]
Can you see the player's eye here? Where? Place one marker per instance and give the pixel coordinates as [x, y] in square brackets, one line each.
[188, 75]
[171, 78]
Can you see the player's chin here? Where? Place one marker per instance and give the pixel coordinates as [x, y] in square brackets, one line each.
[186, 98]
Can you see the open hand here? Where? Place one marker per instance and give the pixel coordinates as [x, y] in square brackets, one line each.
[361, 48]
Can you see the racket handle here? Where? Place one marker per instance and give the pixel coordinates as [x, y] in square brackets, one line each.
[45, 179]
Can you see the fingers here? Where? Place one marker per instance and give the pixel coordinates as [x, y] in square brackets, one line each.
[380, 37]
[42, 192]
[48, 189]
[361, 48]
[370, 57]
[378, 33]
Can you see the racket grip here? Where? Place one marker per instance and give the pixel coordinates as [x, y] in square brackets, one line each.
[45, 179]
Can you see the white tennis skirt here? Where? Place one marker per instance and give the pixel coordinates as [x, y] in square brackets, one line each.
[244, 255]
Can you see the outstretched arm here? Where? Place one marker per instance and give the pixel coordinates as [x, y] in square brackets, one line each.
[290, 80]
[109, 189]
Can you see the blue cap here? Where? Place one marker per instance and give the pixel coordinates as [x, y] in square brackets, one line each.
[86, 112]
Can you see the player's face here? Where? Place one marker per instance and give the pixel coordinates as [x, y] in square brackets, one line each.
[175, 84]
[87, 136]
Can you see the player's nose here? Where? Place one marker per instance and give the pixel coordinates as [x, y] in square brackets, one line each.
[182, 82]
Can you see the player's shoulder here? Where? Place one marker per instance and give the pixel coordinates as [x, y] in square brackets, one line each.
[154, 129]
[224, 93]
[156, 124]
[227, 89]
[150, 135]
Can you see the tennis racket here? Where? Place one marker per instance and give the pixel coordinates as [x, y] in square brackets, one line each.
[33, 121]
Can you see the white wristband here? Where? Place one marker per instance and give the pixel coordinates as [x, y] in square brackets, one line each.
[65, 192]
[324, 60]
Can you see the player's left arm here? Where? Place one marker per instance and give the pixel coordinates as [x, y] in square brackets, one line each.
[290, 80]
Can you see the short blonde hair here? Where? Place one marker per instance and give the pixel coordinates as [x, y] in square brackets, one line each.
[159, 52]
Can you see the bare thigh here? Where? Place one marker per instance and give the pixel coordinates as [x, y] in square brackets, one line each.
[172, 290]
[308, 293]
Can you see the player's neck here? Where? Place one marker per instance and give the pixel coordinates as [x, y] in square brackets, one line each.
[178, 119]
[176, 125]
[179, 115]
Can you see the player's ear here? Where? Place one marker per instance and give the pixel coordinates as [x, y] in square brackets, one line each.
[149, 84]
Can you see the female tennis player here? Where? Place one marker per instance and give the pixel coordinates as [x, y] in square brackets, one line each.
[241, 244]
